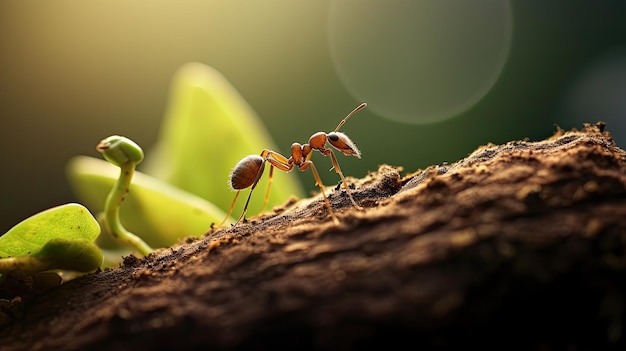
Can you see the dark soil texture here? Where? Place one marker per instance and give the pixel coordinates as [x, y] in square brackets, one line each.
[517, 246]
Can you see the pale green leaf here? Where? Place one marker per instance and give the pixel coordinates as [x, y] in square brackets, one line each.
[153, 209]
[207, 129]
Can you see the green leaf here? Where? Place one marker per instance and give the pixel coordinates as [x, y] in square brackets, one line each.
[154, 209]
[70, 221]
[58, 238]
[207, 129]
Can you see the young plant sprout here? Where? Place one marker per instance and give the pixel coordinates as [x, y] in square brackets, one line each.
[124, 153]
[59, 238]
[250, 169]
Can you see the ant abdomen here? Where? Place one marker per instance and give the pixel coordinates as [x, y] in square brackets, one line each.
[246, 172]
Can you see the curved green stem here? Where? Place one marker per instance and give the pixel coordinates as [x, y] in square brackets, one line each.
[125, 154]
[112, 212]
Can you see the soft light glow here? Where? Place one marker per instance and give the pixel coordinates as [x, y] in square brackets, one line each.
[419, 61]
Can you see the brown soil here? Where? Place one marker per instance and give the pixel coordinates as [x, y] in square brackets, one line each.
[517, 246]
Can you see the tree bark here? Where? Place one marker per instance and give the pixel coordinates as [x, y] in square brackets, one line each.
[517, 246]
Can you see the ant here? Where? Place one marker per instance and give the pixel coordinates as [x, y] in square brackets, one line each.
[249, 170]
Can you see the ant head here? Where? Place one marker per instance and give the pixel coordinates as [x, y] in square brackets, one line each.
[342, 143]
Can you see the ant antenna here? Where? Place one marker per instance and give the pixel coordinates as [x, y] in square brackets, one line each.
[357, 109]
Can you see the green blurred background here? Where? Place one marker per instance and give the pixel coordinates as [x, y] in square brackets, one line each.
[440, 77]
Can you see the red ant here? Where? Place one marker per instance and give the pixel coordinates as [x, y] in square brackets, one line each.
[249, 170]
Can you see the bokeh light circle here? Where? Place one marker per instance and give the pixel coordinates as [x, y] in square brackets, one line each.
[419, 61]
[598, 93]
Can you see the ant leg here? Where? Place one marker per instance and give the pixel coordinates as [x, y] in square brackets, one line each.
[246, 167]
[267, 192]
[318, 182]
[276, 160]
[343, 179]
[230, 210]
[245, 208]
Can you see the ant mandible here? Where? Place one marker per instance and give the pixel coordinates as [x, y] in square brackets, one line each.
[249, 170]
